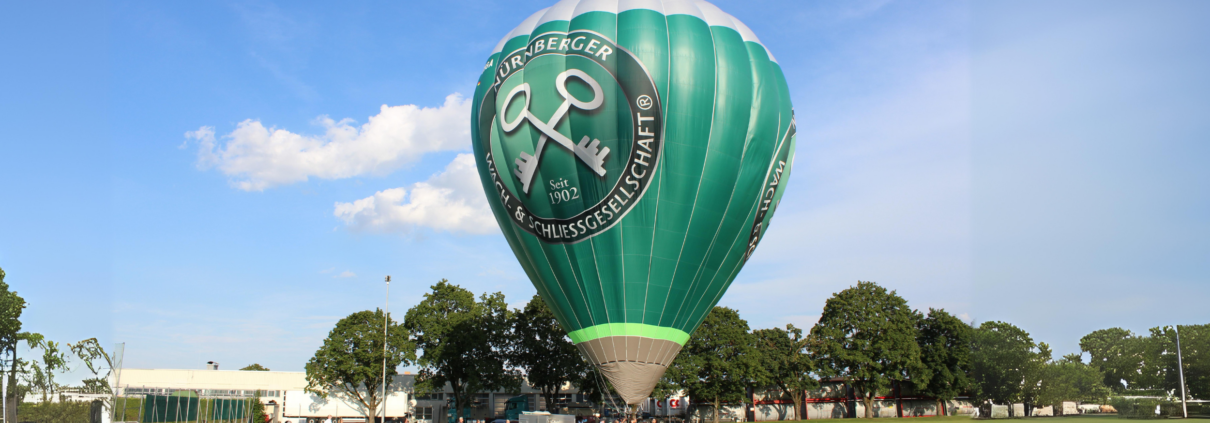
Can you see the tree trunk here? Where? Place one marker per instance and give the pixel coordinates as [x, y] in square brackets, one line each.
[550, 394]
[868, 399]
[796, 396]
[716, 405]
[11, 400]
[940, 408]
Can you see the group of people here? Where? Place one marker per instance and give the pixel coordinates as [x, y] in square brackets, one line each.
[588, 419]
[615, 420]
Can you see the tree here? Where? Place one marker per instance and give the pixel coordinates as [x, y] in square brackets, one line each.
[1120, 356]
[91, 353]
[1195, 354]
[718, 362]
[1069, 379]
[945, 352]
[868, 336]
[463, 342]
[787, 363]
[541, 348]
[1003, 359]
[96, 384]
[1035, 375]
[349, 363]
[54, 360]
[31, 375]
[258, 409]
[11, 306]
[255, 367]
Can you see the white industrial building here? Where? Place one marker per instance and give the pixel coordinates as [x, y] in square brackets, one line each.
[286, 400]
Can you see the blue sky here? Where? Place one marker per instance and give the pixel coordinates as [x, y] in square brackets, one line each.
[1040, 163]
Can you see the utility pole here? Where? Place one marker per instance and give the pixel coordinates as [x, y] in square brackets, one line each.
[386, 321]
[1181, 371]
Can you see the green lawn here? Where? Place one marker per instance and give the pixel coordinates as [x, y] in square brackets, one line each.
[1105, 418]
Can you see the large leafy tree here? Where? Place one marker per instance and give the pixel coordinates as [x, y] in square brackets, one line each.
[1004, 361]
[718, 362]
[867, 335]
[255, 367]
[34, 374]
[945, 352]
[541, 348]
[788, 365]
[11, 307]
[1120, 356]
[463, 342]
[349, 363]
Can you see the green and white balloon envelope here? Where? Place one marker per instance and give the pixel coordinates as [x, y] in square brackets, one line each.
[633, 153]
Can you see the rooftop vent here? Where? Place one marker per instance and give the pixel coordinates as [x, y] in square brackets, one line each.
[211, 365]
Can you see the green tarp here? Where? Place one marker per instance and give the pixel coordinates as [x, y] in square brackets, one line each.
[228, 409]
[162, 408]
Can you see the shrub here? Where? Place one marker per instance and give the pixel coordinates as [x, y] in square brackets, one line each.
[54, 412]
[1144, 408]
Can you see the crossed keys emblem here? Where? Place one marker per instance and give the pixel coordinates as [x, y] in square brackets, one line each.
[588, 153]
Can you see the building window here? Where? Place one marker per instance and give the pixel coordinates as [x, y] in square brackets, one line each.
[430, 396]
[424, 413]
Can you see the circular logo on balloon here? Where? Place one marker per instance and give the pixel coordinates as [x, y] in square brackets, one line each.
[573, 130]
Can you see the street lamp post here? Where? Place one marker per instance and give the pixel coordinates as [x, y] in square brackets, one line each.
[386, 321]
[1181, 371]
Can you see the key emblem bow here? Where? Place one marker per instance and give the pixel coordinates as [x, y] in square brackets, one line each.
[586, 150]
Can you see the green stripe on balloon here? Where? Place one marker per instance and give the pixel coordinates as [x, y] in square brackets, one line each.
[628, 329]
[689, 113]
[642, 32]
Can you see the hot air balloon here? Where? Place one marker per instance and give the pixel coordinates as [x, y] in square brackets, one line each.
[633, 153]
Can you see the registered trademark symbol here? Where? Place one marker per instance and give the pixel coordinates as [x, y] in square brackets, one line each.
[644, 102]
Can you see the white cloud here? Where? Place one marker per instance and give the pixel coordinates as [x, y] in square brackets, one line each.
[256, 157]
[452, 200]
[346, 274]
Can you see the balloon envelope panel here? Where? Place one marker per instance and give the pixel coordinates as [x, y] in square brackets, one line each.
[633, 153]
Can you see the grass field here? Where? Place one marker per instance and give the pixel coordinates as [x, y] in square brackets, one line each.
[1104, 418]
[1087, 418]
